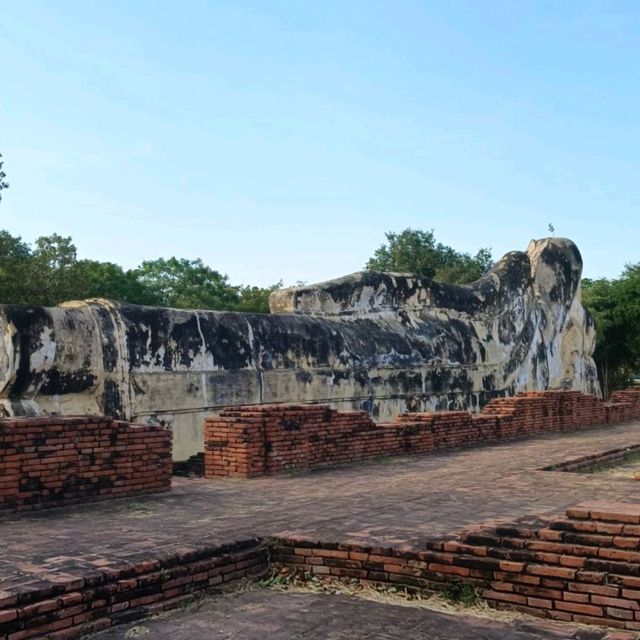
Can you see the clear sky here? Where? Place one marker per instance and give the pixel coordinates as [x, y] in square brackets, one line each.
[281, 139]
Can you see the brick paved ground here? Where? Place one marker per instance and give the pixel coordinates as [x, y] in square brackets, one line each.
[289, 616]
[400, 502]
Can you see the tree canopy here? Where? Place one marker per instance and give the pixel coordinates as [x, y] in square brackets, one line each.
[416, 251]
[615, 307]
[50, 273]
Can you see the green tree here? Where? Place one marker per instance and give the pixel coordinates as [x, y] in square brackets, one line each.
[255, 299]
[51, 273]
[15, 257]
[97, 279]
[42, 276]
[416, 251]
[51, 278]
[187, 284]
[615, 307]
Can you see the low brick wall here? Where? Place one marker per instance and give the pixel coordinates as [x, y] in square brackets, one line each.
[266, 439]
[252, 441]
[46, 462]
[117, 595]
[592, 461]
[583, 568]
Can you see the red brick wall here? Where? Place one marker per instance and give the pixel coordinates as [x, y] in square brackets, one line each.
[251, 441]
[583, 568]
[264, 439]
[61, 460]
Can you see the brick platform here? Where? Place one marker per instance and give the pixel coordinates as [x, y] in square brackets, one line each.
[397, 505]
[267, 439]
[48, 462]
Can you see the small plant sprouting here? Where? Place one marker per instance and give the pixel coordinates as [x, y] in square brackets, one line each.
[460, 593]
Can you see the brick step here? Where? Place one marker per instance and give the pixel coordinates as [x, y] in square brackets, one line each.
[609, 457]
[111, 595]
[545, 567]
[622, 535]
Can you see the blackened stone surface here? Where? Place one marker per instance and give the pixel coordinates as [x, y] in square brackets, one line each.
[386, 343]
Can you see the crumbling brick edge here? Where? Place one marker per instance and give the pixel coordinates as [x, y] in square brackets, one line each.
[112, 596]
[584, 568]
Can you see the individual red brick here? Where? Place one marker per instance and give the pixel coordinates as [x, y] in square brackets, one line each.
[586, 609]
[513, 598]
[539, 603]
[602, 590]
[620, 603]
[551, 571]
[620, 614]
[8, 615]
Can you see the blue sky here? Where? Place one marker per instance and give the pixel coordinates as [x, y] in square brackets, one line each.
[282, 139]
